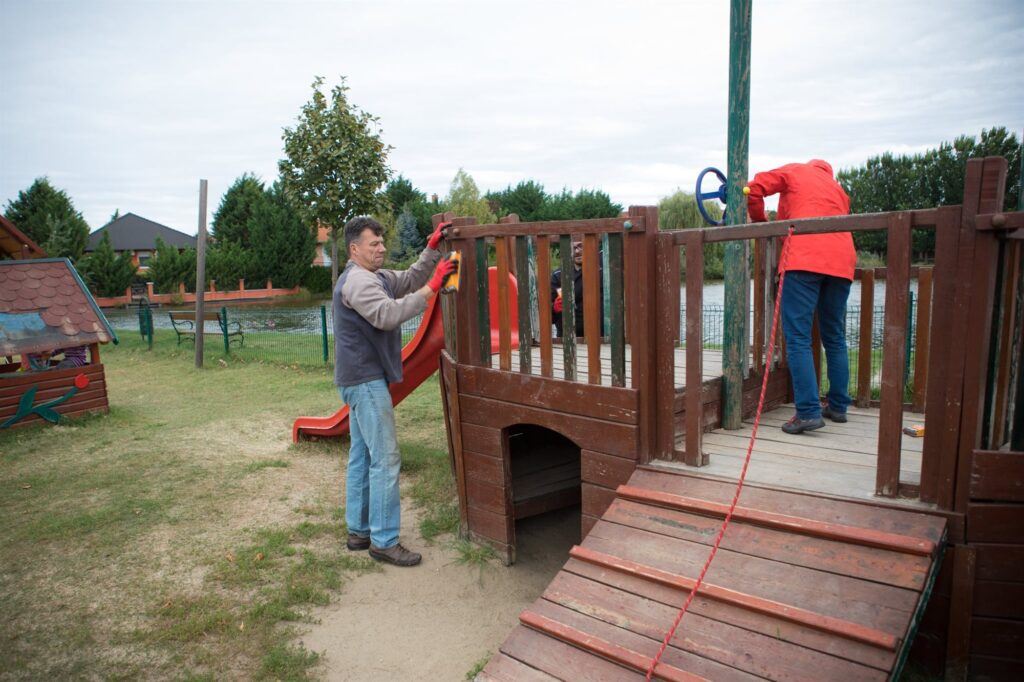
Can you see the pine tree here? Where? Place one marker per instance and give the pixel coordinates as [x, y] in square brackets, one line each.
[283, 243]
[410, 239]
[106, 272]
[47, 215]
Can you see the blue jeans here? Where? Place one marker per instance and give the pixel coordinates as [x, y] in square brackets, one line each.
[372, 506]
[802, 293]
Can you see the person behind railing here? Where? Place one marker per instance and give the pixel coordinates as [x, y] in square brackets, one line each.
[370, 304]
[819, 269]
[557, 304]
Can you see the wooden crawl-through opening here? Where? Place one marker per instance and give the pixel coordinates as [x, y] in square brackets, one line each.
[545, 469]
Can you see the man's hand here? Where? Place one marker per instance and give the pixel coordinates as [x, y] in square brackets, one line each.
[440, 232]
[557, 307]
[444, 268]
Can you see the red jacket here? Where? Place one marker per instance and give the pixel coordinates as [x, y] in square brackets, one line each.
[807, 190]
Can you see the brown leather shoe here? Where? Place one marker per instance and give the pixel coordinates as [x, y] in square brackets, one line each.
[357, 542]
[397, 555]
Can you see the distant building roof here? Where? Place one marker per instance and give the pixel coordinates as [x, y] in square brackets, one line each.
[134, 233]
[15, 244]
[45, 306]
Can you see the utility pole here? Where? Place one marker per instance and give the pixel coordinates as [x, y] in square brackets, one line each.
[736, 349]
[201, 275]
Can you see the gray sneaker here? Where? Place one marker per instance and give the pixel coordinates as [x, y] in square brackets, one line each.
[828, 413]
[798, 425]
[397, 555]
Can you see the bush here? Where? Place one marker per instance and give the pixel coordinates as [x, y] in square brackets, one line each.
[317, 280]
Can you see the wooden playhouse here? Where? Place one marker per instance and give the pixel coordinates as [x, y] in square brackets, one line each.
[851, 543]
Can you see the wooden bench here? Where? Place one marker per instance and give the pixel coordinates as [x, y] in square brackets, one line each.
[184, 323]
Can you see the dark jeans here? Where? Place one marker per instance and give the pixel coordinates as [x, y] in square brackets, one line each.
[802, 294]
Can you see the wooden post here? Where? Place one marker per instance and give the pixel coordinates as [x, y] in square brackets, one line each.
[890, 421]
[867, 316]
[737, 275]
[694, 350]
[504, 324]
[544, 303]
[759, 306]
[924, 313]
[522, 259]
[568, 308]
[958, 640]
[667, 321]
[200, 274]
[592, 305]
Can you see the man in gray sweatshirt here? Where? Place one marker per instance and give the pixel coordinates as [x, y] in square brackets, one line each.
[370, 304]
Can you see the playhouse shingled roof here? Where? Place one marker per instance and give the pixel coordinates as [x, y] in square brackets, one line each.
[15, 244]
[44, 305]
[135, 233]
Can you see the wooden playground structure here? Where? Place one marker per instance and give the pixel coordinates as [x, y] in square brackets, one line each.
[627, 423]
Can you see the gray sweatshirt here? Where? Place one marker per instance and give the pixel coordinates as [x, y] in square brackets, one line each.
[369, 309]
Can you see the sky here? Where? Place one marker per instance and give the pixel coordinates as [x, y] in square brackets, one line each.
[127, 105]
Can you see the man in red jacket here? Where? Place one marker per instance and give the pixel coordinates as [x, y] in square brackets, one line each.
[819, 271]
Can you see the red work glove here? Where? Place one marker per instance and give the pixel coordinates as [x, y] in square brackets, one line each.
[444, 268]
[440, 232]
[558, 304]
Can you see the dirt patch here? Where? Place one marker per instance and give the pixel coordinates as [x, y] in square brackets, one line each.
[437, 620]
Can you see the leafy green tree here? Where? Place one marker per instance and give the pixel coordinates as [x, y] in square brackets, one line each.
[678, 211]
[583, 205]
[107, 273]
[231, 220]
[464, 199]
[526, 200]
[227, 263]
[933, 178]
[283, 243]
[168, 267]
[48, 216]
[400, 191]
[409, 238]
[335, 161]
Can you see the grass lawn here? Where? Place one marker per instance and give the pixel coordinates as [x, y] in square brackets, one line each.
[181, 535]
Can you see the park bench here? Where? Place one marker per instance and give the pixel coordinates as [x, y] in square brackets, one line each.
[184, 323]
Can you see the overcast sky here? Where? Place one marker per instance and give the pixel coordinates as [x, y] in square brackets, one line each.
[127, 105]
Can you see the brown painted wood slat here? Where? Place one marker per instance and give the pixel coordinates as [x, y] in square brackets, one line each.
[554, 227]
[852, 534]
[924, 312]
[694, 450]
[758, 347]
[554, 657]
[92, 371]
[483, 304]
[522, 259]
[617, 303]
[894, 351]
[544, 302]
[592, 304]
[947, 237]
[450, 399]
[958, 638]
[867, 308]
[504, 322]
[835, 626]
[976, 353]
[604, 648]
[861, 222]
[997, 476]
[1009, 327]
[667, 321]
[568, 308]
[466, 318]
[504, 668]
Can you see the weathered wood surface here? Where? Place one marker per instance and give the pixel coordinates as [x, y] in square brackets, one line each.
[786, 605]
[52, 384]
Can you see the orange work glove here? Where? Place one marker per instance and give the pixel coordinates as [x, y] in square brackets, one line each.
[558, 304]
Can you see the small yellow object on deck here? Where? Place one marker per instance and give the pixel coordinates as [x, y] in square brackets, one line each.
[916, 431]
[451, 282]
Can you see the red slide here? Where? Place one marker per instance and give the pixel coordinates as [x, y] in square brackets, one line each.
[420, 358]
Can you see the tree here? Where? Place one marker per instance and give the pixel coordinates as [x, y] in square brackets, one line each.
[583, 205]
[283, 243]
[400, 192]
[464, 199]
[678, 211]
[231, 220]
[227, 263]
[335, 161]
[932, 178]
[106, 272]
[525, 200]
[114, 216]
[47, 215]
[168, 267]
[409, 238]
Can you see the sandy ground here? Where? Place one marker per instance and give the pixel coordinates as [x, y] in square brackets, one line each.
[435, 621]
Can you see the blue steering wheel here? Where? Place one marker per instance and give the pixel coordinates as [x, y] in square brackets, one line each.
[717, 194]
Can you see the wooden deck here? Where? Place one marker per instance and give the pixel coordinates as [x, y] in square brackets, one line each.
[802, 588]
[712, 364]
[838, 460]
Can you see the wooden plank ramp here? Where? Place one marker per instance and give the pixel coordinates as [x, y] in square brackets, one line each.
[803, 588]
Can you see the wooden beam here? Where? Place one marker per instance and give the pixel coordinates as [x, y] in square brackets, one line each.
[694, 450]
[667, 329]
[504, 321]
[555, 227]
[592, 307]
[867, 317]
[867, 537]
[924, 313]
[568, 282]
[544, 303]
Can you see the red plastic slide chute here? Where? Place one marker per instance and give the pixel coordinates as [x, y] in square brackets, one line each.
[420, 359]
